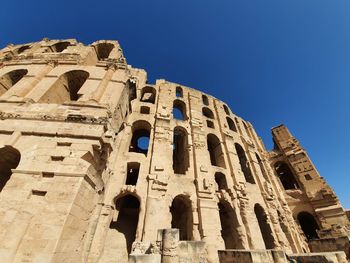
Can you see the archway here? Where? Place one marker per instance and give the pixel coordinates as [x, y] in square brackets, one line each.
[22, 49]
[128, 207]
[66, 87]
[179, 110]
[181, 160]
[308, 224]
[264, 226]
[207, 113]
[60, 46]
[205, 100]
[286, 176]
[181, 216]
[229, 226]
[220, 180]
[227, 111]
[103, 50]
[215, 151]
[141, 131]
[9, 159]
[179, 92]
[231, 124]
[9, 79]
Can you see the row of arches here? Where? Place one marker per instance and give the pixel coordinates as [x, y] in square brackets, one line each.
[57, 48]
[230, 225]
[65, 88]
[217, 157]
[140, 142]
[148, 94]
[103, 50]
[128, 209]
[181, 211]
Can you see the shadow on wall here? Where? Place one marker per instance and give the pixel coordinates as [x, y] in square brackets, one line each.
[128, 207]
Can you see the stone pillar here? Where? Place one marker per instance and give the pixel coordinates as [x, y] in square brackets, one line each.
[103, 84]
[102, 227]
[12, 241]
[246, 220]
[153, 206]
[170, 241]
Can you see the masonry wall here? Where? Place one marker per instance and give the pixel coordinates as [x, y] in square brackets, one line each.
[99, 162]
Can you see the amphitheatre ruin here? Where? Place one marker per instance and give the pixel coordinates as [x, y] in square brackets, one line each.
[100, 166]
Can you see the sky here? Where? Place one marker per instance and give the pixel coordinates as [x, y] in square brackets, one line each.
[271, 61]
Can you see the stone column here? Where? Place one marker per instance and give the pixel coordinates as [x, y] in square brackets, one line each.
[170, 241]
[16, 231]
[102, 227]
[97, 95]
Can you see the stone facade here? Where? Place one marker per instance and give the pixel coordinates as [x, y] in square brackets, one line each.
[97, 165]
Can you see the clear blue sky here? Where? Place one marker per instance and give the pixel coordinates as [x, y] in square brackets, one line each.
[272, 61]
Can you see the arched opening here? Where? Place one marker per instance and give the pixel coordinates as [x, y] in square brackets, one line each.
[205, 100]
[227, 111]
[207, 113]
[22, 49]
[231, 124]
[308, 224]
[220, 180]
[9, 159]
[181, 216]
[148, 94]
[179, 110]
[229, 226]
[286, 176]
[140, 137]
[128, 208]
[264, 226]
[179, 92]
[215, 151]
[181, 160]
[9, 79]
[132, 173]
[66, 87]
[243, 161]
[262, 168]
[60, 46]
[103, 50]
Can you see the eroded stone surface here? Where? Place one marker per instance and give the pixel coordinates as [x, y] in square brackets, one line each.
[97, 164]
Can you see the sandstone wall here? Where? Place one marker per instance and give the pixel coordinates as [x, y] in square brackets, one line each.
[95, 160]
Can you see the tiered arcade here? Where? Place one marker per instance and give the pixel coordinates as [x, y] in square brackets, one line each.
[97, 165]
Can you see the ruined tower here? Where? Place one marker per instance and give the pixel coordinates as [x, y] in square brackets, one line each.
[98, 165]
